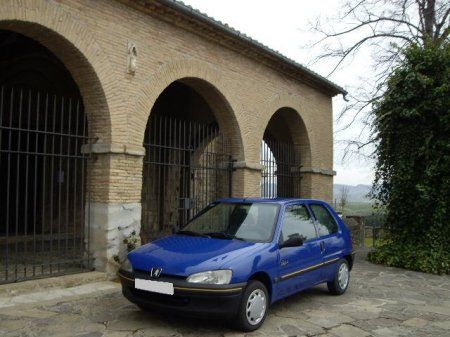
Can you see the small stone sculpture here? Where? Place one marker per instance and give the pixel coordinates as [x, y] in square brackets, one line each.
[131, 58]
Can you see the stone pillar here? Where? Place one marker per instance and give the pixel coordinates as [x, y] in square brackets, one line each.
[110, 224]
[114, 204]
[357, 229]
[317, 183]
[246, 179]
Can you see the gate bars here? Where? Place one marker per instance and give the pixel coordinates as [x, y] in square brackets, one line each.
[187, 165]
[280, 176]
[43, 195]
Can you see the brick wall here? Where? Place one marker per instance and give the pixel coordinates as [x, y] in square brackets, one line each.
[91, 38]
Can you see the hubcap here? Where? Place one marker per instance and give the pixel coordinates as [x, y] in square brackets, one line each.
[256, 306]
[343, 276]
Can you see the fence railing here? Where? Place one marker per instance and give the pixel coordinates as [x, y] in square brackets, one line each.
[364, 235]
[44, 196]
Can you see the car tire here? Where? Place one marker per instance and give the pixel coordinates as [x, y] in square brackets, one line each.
[341, 279]
[254, 306]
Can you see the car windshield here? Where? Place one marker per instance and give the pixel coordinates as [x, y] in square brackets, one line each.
[253, 222]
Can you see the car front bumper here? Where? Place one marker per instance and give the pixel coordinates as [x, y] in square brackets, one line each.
[199, 300]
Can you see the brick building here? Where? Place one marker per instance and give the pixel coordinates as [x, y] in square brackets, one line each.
[131, 115]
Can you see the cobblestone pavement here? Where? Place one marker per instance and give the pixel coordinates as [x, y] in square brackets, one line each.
[380, 302]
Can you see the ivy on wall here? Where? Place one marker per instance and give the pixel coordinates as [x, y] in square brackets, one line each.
[412, 125]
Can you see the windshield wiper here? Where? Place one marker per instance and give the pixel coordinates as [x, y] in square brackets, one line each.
[192, 233]
[223, 235]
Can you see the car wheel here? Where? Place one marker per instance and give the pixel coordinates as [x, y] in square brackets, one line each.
[341, 279]
[254, 306]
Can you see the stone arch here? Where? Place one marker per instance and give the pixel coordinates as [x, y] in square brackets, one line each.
[72, 43]
[297, 135]
[77, 47]
[206, 81]
[300, 125]
[286, 112]
[189, 92]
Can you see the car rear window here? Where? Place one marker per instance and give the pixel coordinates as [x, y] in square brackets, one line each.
[297, 222]
[325, 222]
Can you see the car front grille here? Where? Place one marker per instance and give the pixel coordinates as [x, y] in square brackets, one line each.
[145, 275]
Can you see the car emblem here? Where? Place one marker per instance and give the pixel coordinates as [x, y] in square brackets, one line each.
[155, 272]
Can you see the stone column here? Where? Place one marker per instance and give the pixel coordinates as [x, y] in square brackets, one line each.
[317, 183]
[110, 224]
[114, 211]
[246, 179]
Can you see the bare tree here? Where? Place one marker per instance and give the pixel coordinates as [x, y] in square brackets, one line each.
[387, 27]
[343, 196]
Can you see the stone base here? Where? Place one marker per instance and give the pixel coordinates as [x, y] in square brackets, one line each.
[47, 284]
[110, 224]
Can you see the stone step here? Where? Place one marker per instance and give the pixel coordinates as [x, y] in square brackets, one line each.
[58, 294]
[51, 283]
[55, 289]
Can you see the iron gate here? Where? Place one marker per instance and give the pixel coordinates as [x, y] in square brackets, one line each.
[280, 176]
[187, 165]
[42, 185]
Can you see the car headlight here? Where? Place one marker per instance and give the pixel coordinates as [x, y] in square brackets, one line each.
[211, 277]
[126, 265]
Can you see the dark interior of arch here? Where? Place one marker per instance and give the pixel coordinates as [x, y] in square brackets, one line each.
[184, 151]
[182, 102]
[278, 128]
[27, 64]
[278, 157]
[42, 129]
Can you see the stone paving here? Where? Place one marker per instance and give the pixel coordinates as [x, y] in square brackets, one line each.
[380, 302]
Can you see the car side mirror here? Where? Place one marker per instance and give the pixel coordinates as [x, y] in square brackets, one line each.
[293, 241]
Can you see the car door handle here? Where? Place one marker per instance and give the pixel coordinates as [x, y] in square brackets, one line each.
[322, 246]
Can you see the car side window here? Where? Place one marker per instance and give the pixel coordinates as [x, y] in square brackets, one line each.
[325, 221]
[298, 222]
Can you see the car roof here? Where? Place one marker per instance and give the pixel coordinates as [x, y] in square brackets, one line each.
[280, 201]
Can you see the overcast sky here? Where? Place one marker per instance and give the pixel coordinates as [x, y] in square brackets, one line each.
[283, 25]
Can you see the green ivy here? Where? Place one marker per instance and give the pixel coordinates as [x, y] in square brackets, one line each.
[412, 179]
[131, 241]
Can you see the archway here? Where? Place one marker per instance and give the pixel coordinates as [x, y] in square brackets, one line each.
[188, 156]
[284, 150]
[42, 168]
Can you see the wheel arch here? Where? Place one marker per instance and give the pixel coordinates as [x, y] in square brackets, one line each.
[350, 259]
[264, 278]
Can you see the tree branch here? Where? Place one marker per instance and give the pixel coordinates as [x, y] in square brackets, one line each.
[358, 44]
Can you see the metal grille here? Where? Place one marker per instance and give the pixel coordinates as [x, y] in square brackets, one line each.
[187, 165]
[280, 176]
[42, 185]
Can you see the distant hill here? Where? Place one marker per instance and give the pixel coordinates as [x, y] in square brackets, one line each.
[356, 193]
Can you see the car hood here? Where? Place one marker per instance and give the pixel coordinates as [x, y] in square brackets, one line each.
[182, 255]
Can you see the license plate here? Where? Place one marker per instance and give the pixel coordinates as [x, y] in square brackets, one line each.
[154, 286]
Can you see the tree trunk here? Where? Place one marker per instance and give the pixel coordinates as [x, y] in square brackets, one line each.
[429, 18]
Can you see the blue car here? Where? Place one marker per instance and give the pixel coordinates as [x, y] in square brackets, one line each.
[238, 256]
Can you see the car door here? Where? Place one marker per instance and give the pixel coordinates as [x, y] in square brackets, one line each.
[298, 266]
[330, 237]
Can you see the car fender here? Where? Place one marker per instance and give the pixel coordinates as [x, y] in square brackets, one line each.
[261, 260]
